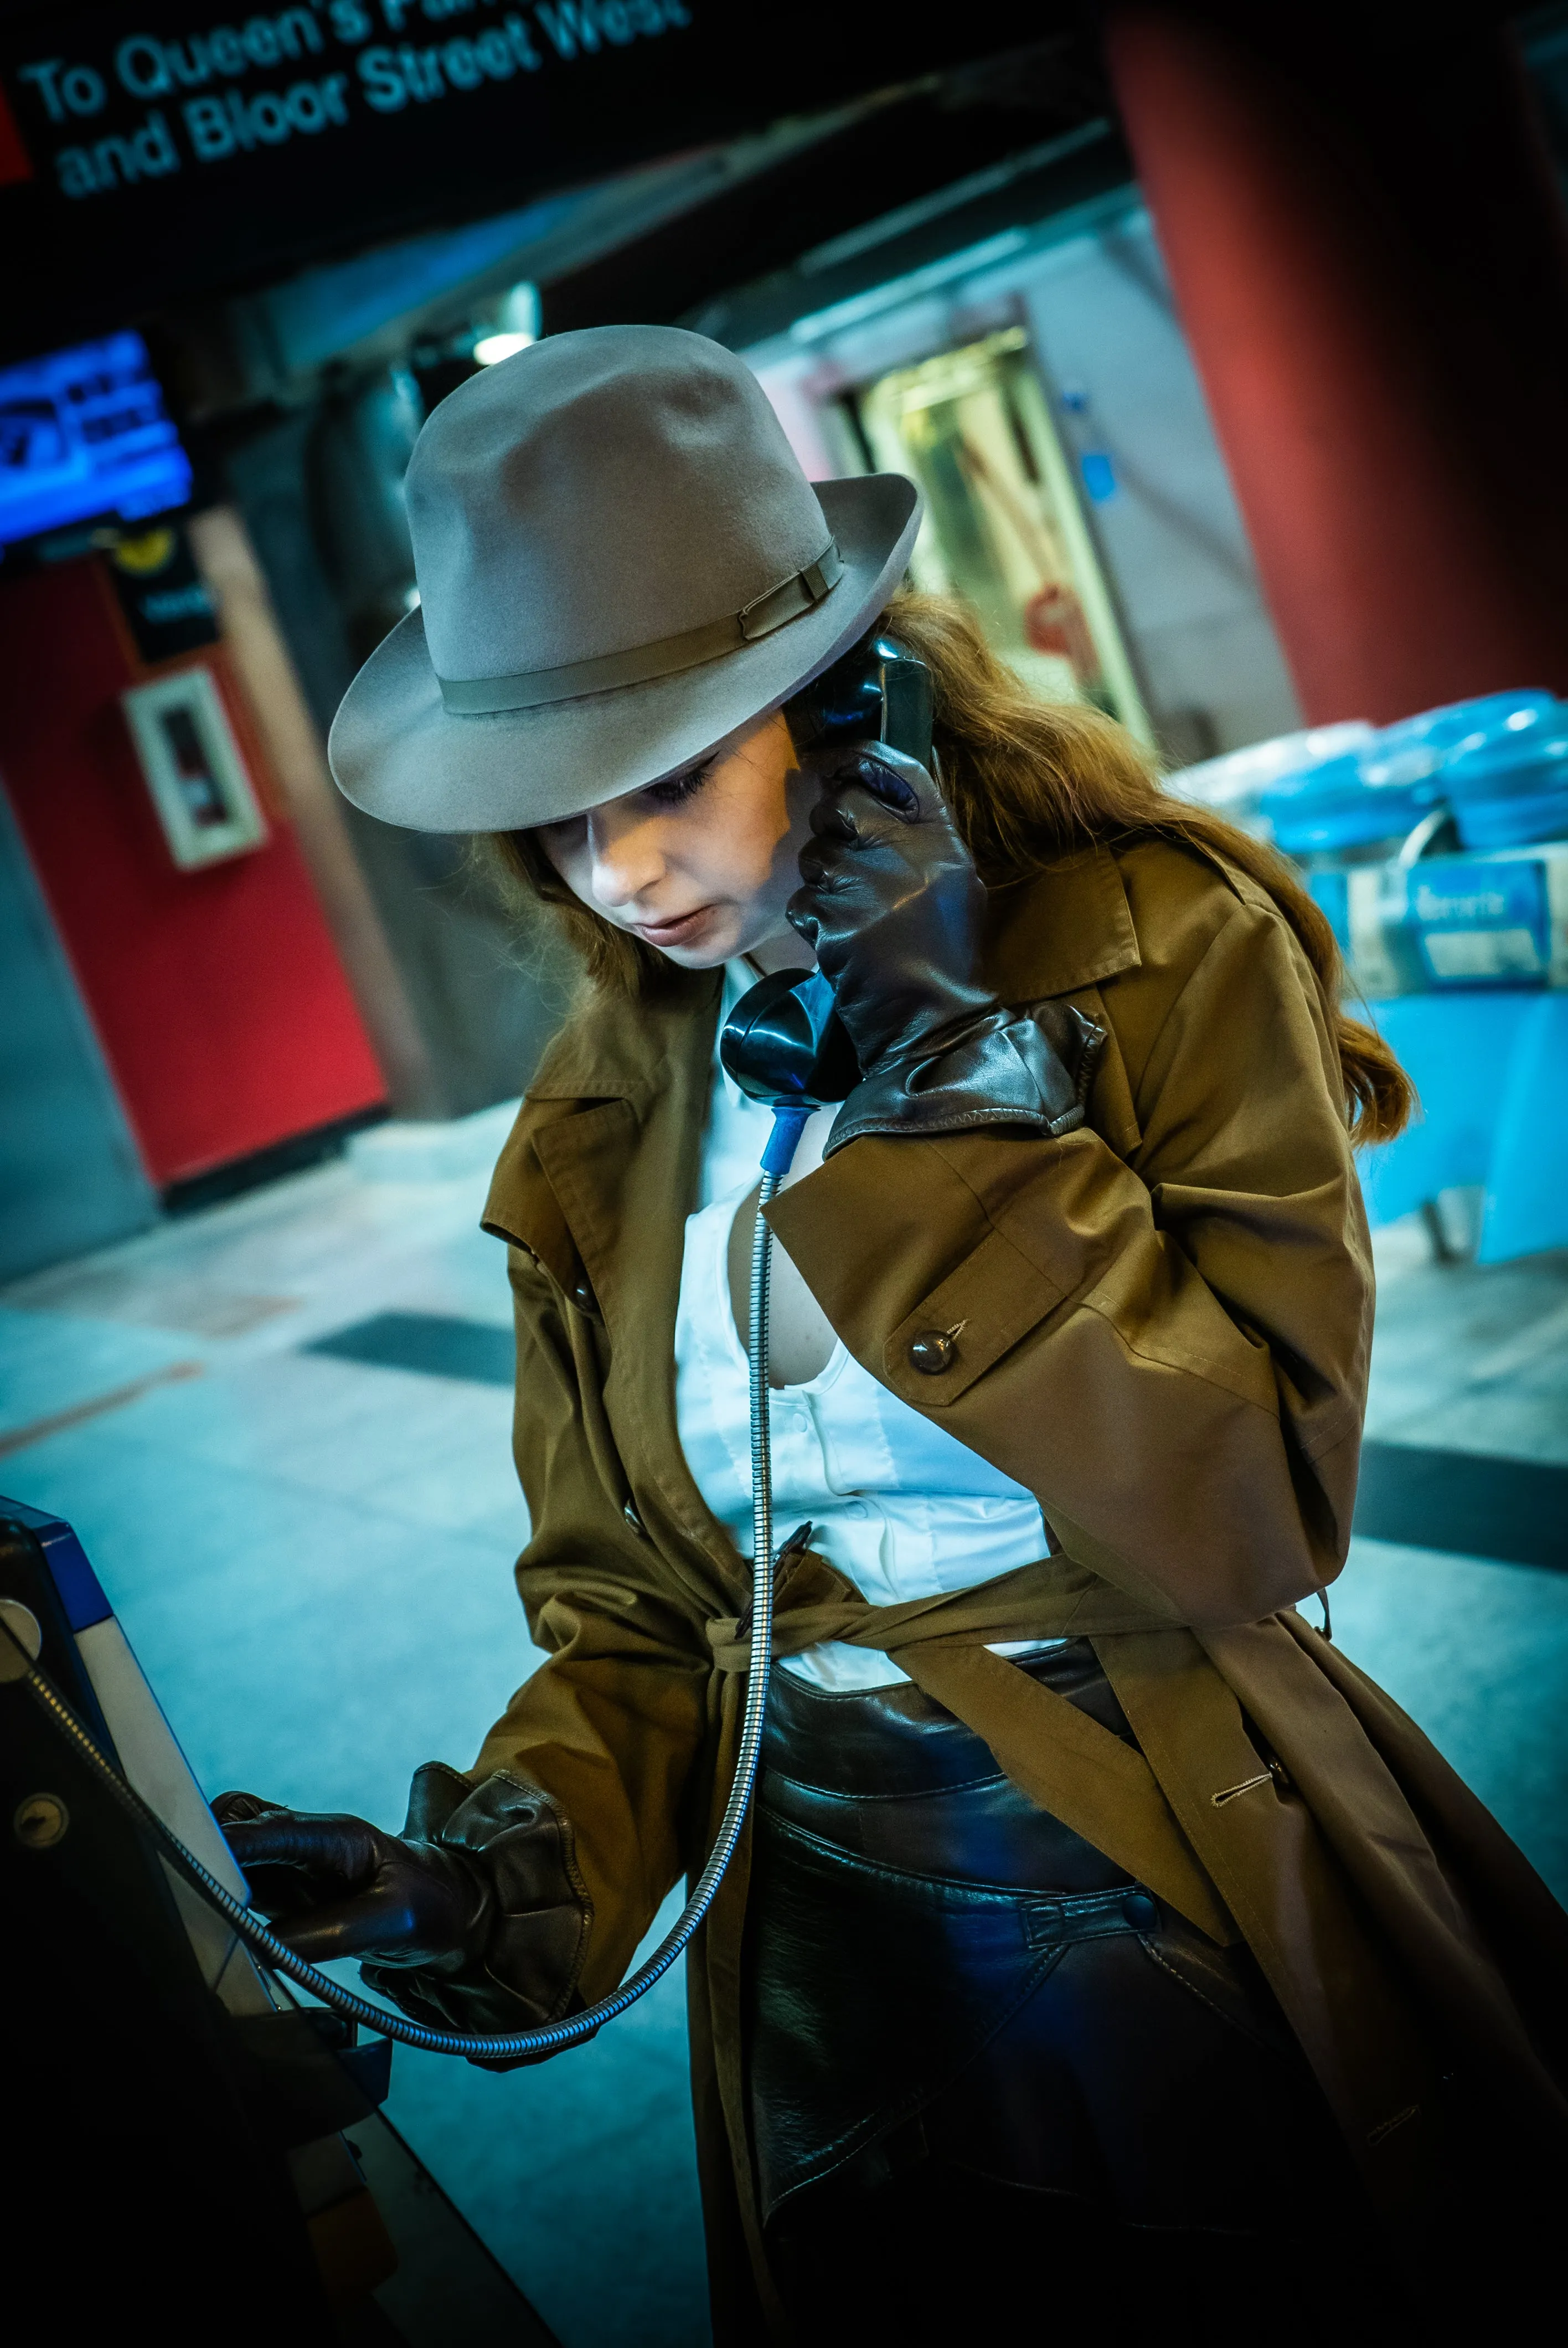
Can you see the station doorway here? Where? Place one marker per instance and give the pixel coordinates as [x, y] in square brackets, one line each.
[1004, 525]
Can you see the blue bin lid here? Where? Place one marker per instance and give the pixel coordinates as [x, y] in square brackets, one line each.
[1349, 803]
[1529, 756]
[1484, 747]
[1509, 789]
[1451, 725]
[1515, 822]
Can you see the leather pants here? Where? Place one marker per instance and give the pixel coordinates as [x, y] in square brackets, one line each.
[981, 2059]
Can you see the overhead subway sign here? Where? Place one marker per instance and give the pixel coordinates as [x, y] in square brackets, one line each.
[219, 92]
[153, 150]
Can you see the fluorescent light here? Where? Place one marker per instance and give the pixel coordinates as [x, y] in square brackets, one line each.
[491, 347]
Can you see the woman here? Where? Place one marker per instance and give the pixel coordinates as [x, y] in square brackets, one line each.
[1103, 1939]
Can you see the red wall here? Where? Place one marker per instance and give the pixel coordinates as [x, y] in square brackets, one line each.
[217, 996]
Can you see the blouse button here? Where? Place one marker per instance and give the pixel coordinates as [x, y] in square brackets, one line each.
[932, 1353]
[857, 1509]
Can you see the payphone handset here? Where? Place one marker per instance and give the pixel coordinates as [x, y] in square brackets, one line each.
[783, 1043]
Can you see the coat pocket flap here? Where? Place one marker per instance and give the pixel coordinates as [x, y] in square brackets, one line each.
[979, 1313]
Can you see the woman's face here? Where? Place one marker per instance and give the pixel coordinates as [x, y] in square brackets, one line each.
[702, 864]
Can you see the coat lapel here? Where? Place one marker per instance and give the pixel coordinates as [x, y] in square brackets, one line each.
[1059, 931]
[595, 1183]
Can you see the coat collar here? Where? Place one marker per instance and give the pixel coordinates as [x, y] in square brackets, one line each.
[616, 1068]
[1054, 933]
[1060, 930]
[610, 1049]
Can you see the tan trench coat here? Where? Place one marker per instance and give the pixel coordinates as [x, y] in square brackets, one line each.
[1164, 1325]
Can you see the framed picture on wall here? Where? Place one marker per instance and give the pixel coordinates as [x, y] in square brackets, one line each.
[193, 768]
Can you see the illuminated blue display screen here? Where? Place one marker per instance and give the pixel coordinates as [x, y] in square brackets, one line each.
[84, 435]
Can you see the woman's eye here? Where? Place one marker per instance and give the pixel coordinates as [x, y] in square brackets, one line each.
[678, 788]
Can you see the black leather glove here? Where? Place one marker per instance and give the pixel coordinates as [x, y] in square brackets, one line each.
[895, 908]
[476, 1916]
[337, 1887]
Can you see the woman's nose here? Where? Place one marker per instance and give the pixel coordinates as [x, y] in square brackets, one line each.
[625, 856]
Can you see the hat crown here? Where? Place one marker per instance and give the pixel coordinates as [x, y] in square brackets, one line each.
[600, 491]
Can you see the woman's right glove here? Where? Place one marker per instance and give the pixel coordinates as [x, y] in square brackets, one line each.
[892, 907]
[476, 1916]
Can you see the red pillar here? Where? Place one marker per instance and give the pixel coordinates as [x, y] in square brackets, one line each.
[1369, 256]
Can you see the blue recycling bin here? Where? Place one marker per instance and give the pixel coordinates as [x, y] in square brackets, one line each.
[1472, 934]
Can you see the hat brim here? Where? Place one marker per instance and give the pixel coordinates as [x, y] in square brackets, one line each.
[397, 752]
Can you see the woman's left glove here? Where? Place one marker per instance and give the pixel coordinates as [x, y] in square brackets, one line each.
[895, 908]
[476, 1916]
[335, 1886]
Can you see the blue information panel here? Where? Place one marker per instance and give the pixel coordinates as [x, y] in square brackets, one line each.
[84, 435]
[1452, 923]
[1480, 921]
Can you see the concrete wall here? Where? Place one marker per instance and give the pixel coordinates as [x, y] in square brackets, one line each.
[70, 1179]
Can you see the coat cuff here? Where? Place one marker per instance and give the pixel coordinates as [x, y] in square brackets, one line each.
[519, 1966]
[1029, 1070]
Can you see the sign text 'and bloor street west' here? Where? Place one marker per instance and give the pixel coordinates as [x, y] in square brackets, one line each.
[219, 92]
[148, 156]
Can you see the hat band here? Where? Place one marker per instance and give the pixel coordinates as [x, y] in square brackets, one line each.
[488, 697]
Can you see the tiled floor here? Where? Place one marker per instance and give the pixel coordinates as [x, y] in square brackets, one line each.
[1472, 1359]
[311, 1550]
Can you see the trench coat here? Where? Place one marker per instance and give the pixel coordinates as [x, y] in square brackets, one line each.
[1163, 1330]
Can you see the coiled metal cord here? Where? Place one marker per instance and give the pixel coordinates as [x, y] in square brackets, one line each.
[548, 2040]
[762, 1466]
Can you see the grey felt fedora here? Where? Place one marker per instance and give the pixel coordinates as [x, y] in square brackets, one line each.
[619, 563]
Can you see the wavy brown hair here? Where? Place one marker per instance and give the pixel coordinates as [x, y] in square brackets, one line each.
[1028, 781]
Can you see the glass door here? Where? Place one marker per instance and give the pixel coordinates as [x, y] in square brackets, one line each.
[1003, 525]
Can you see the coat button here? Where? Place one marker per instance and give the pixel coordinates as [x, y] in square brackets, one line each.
[1140, 1912]
[583, 1297]
[635, 1521]
[932, 1353]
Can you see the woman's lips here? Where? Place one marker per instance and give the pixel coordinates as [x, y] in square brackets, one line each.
[676, 933]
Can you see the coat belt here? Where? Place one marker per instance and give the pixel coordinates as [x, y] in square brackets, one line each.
[1061, 1758]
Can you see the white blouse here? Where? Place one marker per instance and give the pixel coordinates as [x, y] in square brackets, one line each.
[901, 1507]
